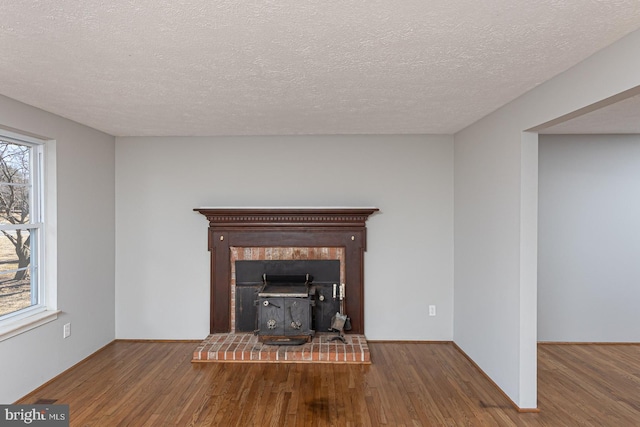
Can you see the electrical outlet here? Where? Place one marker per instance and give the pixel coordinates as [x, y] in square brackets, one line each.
[432, 310]
[66, 331]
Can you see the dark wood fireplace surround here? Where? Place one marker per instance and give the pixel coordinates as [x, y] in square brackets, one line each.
[286, 227]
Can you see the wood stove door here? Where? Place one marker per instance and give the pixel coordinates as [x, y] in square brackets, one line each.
[271, 316]
[297, 316]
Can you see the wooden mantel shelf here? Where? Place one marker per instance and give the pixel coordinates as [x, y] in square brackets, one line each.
[287, 217]
[286, 227]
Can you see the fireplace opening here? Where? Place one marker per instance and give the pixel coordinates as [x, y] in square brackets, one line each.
[286, 300]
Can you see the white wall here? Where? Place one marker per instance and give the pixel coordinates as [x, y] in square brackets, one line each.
[495, 217]
[86, 253]
[589, 238]
[162, 273]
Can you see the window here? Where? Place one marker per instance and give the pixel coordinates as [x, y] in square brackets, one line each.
[21, 227]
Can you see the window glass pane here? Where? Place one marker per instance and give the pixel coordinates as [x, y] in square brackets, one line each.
[16, 289]
[14, 204]
[15, 166]
[15, 163]
[14, 294]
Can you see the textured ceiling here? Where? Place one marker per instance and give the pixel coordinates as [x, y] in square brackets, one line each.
[206, 67]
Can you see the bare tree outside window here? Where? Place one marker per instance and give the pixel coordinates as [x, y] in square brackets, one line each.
[15, 239]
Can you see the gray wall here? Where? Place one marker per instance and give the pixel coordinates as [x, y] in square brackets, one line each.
[589, 238]
[496, 176]
[162, 273]
[86, 253]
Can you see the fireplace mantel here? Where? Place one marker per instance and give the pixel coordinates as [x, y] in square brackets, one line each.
[287, 217]
[286, 227]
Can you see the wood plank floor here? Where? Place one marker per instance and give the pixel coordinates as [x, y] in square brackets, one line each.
[408, 384]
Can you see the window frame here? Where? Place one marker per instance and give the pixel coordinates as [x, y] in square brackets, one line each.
[43, 254]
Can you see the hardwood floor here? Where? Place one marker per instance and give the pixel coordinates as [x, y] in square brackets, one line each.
[408, 384]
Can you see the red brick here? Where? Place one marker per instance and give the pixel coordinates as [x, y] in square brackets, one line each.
[283, 353]
[246, 347]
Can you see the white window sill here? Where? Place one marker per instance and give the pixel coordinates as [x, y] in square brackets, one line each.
[26, 324]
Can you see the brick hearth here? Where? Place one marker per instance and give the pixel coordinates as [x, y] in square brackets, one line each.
[245, 348]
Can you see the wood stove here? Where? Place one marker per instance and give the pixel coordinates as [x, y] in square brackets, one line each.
[286, 301]
[284, 309]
